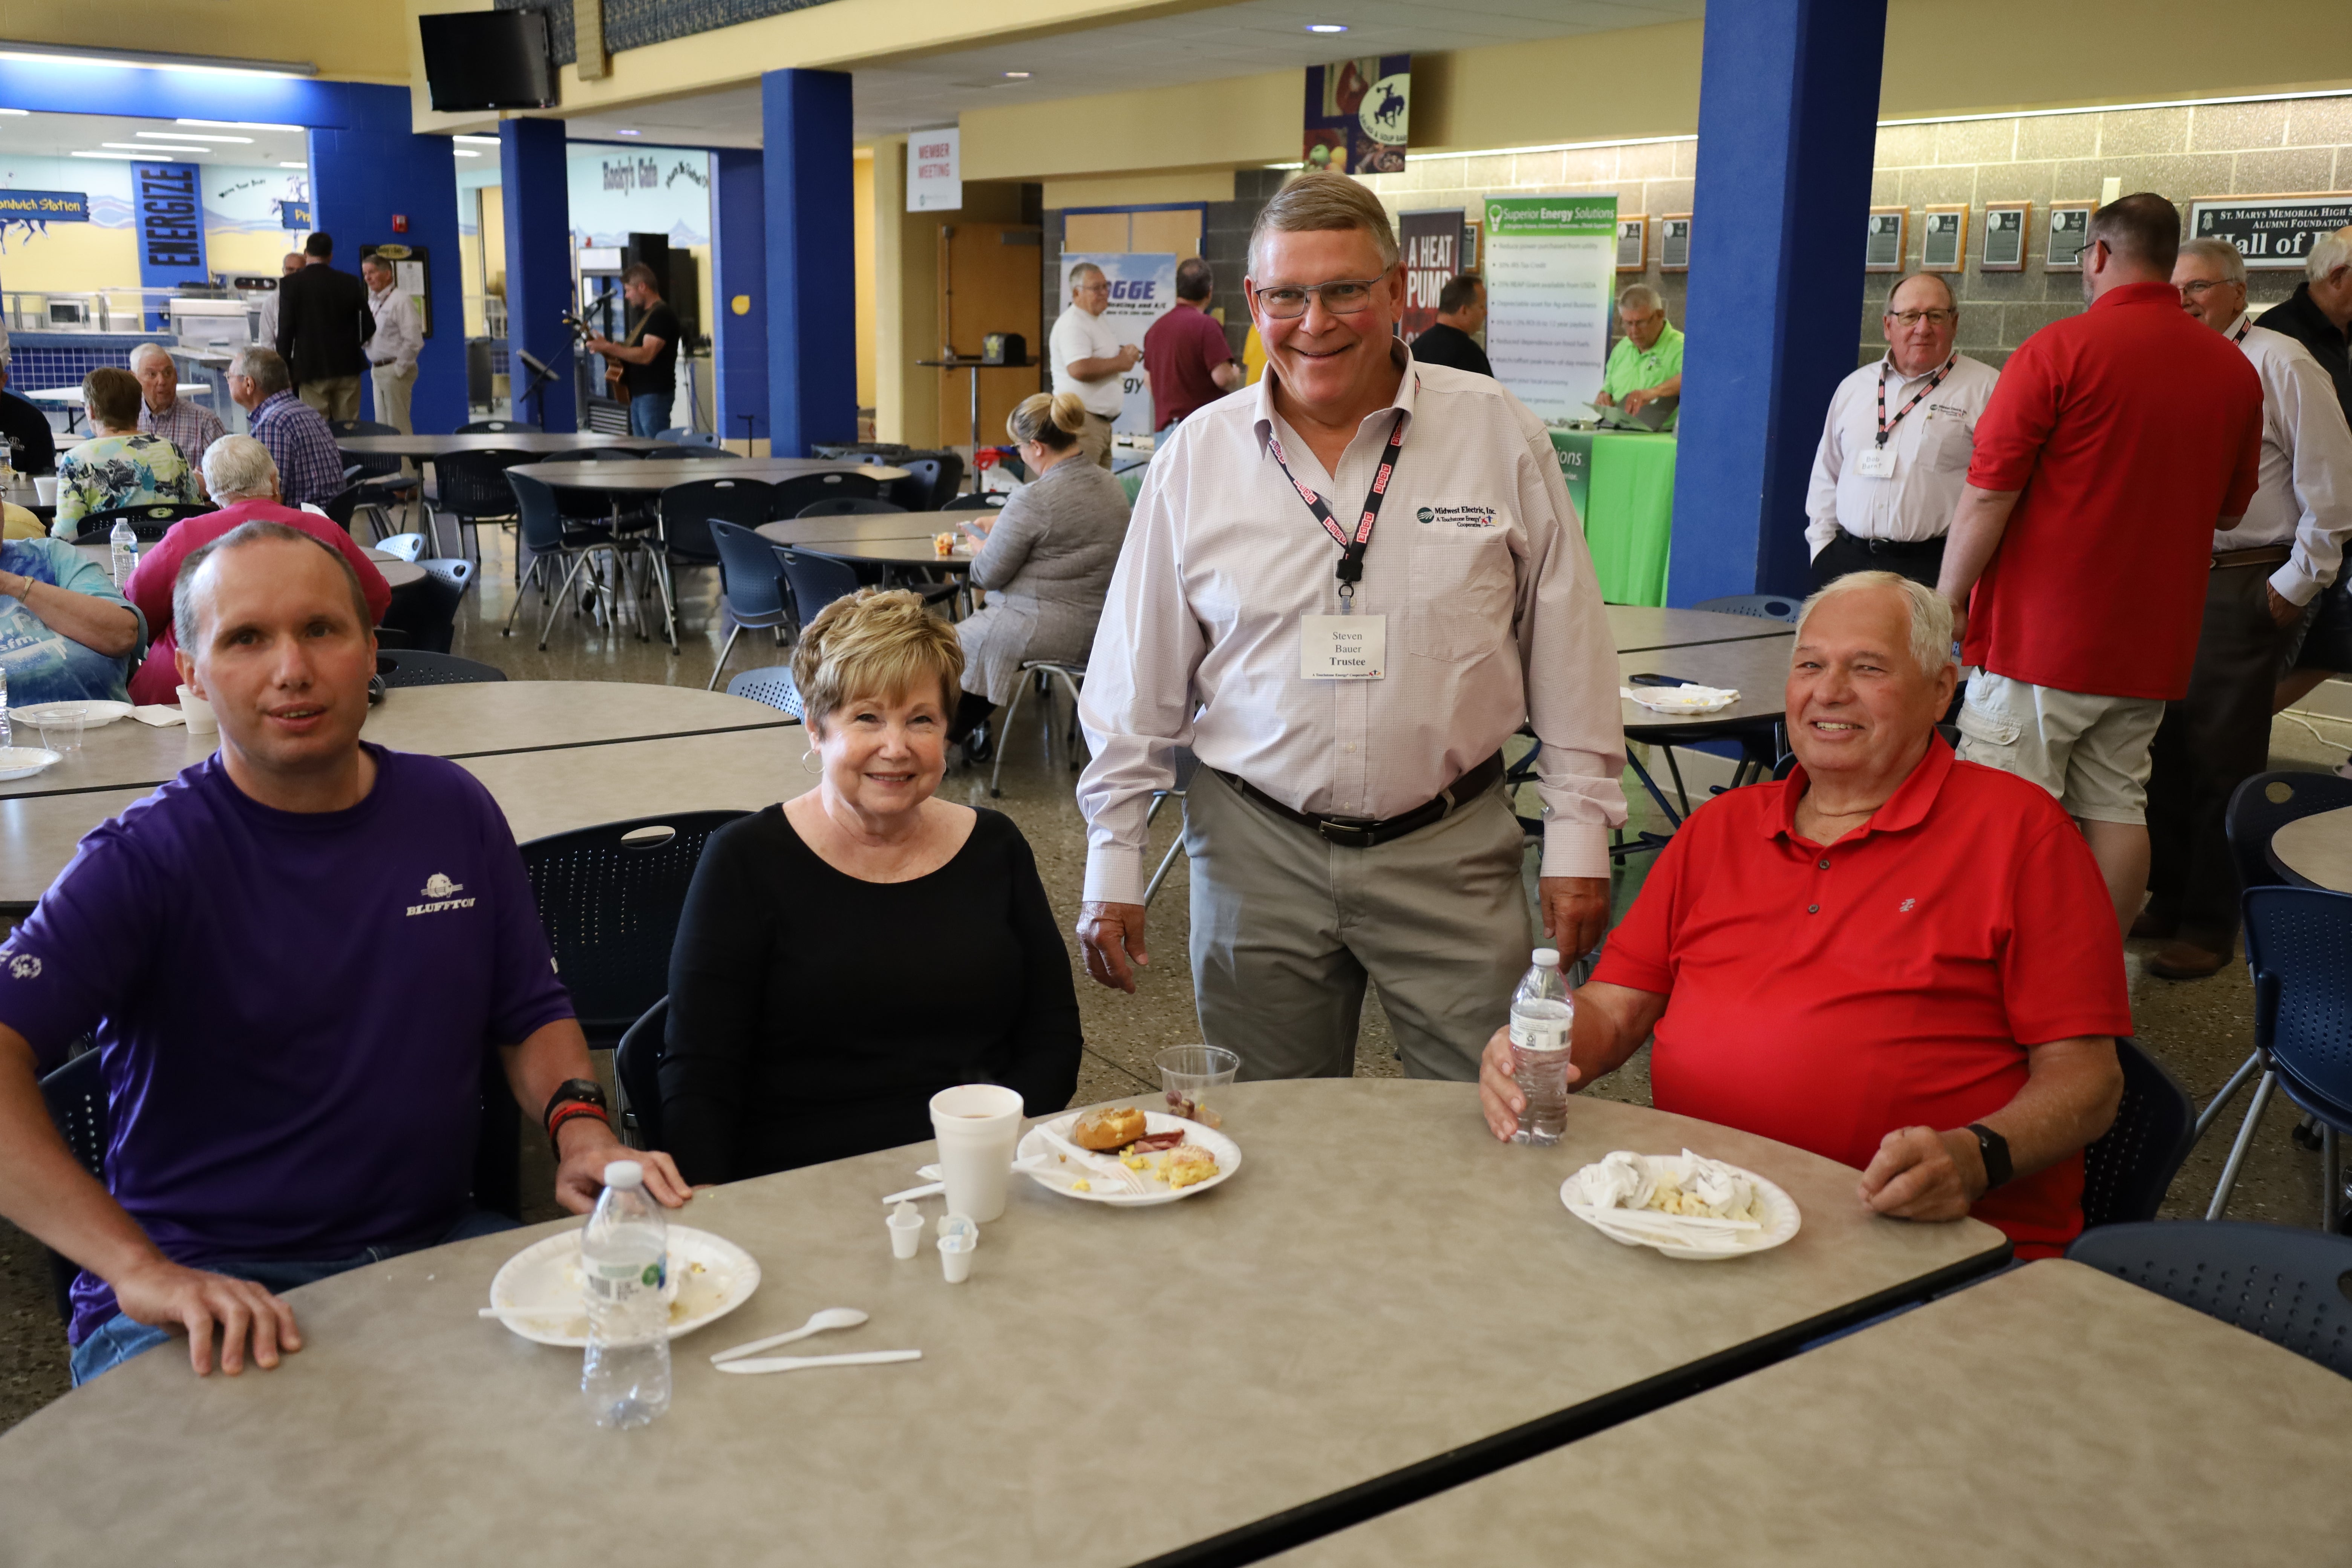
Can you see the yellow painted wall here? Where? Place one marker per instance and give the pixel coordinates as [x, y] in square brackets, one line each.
[494, 240]
[862, 198]
[244, 250]
[69, 258]
[1142, 190]
[348, 42]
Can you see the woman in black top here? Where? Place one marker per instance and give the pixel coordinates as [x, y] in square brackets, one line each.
[845, 955]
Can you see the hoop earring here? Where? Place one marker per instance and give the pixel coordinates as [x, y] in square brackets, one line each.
[808, 763]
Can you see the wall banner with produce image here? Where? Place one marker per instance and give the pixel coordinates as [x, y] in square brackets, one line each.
[1357, 114]
[1551, 271]
[1142, 290]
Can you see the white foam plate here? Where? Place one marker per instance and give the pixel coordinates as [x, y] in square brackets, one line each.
[24, 762]
[713, 1275]
[1779, 1223]
[96, 715]
[1057, 1174]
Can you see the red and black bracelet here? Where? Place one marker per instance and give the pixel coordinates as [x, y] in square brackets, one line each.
[576, 1096]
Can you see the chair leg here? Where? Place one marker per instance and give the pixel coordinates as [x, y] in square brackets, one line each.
[1674, 817]
[1003, 733]
[520, 583]
[2238, 1149]
[1674, 768]
[561, 594]
[1168, 860]
[725, 648]
[1077, 735]
[2237, 1081]
[658, 565]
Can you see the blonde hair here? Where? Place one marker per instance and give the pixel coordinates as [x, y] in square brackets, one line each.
[1318, 201]
[1052, 419]
[874, 643]
[1931, 615]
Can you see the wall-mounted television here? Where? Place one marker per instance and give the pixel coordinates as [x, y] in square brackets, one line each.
[488, 59]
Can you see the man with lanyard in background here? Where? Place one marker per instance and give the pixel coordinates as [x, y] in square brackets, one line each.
[1885, 484]
[648, 360]
[1348, 678]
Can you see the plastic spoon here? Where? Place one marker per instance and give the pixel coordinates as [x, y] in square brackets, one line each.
[831, 1318]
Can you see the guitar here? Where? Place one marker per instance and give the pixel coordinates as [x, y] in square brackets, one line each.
[615, 371]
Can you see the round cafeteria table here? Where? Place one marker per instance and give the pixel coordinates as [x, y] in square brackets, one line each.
[1379, 1287]
[2317, 849]
[397, 574]
[1758, 668]
[425, 449]
[656, 474]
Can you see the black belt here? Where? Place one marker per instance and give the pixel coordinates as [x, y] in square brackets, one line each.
[1361, 832]
[1897, 546]
[2256, 555]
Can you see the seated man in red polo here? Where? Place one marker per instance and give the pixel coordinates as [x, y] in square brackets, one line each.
[1896, 960]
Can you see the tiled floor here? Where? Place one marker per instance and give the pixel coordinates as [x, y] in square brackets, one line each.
[2200, 1030]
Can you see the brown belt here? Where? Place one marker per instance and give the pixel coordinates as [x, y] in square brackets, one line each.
[1362, 833]
[2260, 555]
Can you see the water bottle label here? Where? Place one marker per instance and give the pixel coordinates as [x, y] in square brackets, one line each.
[615, 1280]
[1540, 1033]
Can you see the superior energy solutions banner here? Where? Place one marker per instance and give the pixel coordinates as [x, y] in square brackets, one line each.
[1551, 271]
[1142, 290]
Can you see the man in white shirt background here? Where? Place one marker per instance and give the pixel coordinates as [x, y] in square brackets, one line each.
[287, 265]
[1349, 696]
[1896, 447]
[399, 338]
[1089, 359]
[2267, 572]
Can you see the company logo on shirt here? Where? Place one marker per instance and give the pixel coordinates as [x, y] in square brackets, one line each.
[1458, 514]
[1907, 906]
[438, 890]
[24, 966]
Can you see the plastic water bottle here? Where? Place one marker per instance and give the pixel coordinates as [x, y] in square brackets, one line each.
[623, 1264]
[125, 552]
[1540, 1015]
[6, 741]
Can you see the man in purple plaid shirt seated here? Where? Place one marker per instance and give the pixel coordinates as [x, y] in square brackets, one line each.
[309, 468]
[184, 422]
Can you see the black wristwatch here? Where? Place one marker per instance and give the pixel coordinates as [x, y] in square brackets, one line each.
[1994, 1148]
[584, 1092]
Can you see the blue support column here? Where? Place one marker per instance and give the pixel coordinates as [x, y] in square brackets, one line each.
[537, 176]
[364, 174]
[1787, 129]
[738, 258]
[811, 261]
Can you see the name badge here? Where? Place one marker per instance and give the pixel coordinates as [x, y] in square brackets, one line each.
[1343, 647]
[1876, 462]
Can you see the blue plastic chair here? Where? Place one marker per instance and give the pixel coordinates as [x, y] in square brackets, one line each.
[686, 511]
[1763, 606]
[2291, 1287]
[751, 587]
[549, 536]
[2299, 947]
[2128, 1168]
[816, 581]
[636, 1073]
[771, 684]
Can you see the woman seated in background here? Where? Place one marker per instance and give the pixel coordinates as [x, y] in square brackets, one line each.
[243, 479]
[117, 466]
[66, 635]
[1046, 564]
[845, 955]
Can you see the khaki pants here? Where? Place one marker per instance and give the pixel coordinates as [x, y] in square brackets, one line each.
[1094, 440]
[391, 391]
[1287, 928]
[334, 396]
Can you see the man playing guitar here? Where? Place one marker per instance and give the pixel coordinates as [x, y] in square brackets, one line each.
[645, 369]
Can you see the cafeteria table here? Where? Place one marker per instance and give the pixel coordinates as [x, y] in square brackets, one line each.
[1638, 626]
[1381, 1296]
[425, 447]
[2317, 849]
[1758, 668]
[651, 475]
[2052, 1415]
[570, 723]
[397, 574]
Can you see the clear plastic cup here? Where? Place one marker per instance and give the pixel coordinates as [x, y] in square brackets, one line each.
[978, 1125]
[61, 724]
[1191, 1077]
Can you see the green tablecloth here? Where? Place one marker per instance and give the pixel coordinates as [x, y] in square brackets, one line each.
[1623, 483]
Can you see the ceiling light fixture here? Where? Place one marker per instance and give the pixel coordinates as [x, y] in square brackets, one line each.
[150, 60]
[1327, 27]
[294, 165]
[628, 134]
[156, 152]
[148, 157]
[15, 111]
[463, 153]
[1016, 76]
[478, 141]
[185, 136]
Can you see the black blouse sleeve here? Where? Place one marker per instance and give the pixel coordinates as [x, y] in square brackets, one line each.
[1046, 1042]
[718, 975]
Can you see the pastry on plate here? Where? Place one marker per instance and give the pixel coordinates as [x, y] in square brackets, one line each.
[1108, 1128]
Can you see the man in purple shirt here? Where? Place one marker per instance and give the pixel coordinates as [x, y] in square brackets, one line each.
[288, 1099]
[309, 465]
[1185, 352]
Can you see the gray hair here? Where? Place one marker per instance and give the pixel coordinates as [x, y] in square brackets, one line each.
[1931, 615]
[1640, 297]
[1079, 272]
[258, 531]
[2333, 251]
[263, 368]
[1317, 201]
[2221, 252]
[144, 350]
[238, 467]
[1937, 279]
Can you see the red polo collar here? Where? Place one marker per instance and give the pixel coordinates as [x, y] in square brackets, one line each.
[1905, 808]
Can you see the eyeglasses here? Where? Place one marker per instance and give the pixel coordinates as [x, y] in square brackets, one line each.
[1932, 318]
[2197, 289]
[1340, 299]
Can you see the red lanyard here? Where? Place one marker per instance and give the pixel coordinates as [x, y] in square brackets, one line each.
[2243, 328]
[1885, 425]
[1350, 569]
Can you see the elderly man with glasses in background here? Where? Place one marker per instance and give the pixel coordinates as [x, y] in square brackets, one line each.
[2267, 572]
[1345, 593]
[187, 424]
[1089, 360]
[1647, 363]
[1896, 447]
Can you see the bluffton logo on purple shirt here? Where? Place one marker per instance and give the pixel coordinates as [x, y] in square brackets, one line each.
[437, 890]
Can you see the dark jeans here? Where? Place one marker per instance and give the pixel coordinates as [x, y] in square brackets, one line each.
[120, 1337]
[650, 413]
[1921, 563]
[2211, 741]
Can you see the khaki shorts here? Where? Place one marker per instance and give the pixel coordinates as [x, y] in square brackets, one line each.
[2089, 752]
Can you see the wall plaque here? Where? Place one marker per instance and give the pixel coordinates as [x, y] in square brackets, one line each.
[1944, 238]
[2005, 227]
[1674, 242]
[1884, 250]
[2070, 231]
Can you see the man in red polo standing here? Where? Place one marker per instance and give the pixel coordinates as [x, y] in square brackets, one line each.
[2117, 443]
